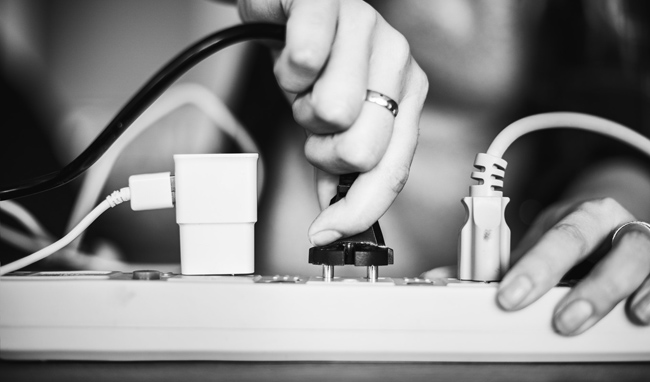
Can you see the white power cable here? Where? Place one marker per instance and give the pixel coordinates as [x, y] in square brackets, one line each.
[75, 259]
[563, 120]
[38, 237]
[117, 197]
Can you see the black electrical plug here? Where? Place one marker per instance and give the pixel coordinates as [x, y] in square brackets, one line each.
[364, 249]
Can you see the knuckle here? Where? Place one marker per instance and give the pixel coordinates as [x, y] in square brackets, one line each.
[364, 14]
[421, 80]
[603, 214]
[599, 207]
[286, 81]
[315, 161]
[400, 51]
[334, 112]
[401, 48]
[609, 203]
[367, 16]
[305, 59]
[574, 233]
[417, 85]
[610, 290]
[361, 158]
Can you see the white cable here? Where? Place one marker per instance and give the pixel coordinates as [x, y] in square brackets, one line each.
[563, 120]
[75, 259]
[24, 217]
[174, 98]
[112, 200]
[37, 237]
[491, 167]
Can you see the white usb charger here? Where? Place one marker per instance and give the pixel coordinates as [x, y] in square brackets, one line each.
[216, 209]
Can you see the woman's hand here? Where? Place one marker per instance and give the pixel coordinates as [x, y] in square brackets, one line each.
[335, 50]
[562, 237]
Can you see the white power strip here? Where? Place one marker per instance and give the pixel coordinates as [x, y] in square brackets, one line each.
[111, 316]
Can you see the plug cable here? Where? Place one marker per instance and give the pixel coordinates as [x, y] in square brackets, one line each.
[162, 80]
[572, 120]
[491, 167]
[112, 200]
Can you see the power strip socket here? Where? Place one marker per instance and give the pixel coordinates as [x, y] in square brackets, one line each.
[157, 316]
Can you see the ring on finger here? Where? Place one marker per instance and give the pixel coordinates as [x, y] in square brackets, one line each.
[382, 100]
[637, 226]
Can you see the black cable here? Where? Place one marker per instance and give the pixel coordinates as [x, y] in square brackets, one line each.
[160, 82]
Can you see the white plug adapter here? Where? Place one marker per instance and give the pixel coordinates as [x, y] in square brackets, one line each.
[216, 210]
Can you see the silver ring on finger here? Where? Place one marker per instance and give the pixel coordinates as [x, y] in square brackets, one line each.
[382, 100]
[637, 226]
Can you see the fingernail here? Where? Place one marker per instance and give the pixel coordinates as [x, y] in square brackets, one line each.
[642, 309]
[513, 293]
[324, 237]
[573, 316]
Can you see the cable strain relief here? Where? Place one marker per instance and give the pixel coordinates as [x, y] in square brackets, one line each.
[490, 174]
[119, 196]
[152, 191]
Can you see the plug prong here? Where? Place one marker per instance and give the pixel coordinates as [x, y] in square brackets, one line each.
[328, 272]
[372, 272]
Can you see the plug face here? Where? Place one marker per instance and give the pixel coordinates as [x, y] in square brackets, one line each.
[365, 249]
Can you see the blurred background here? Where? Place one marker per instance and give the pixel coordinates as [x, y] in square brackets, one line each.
[69, 65]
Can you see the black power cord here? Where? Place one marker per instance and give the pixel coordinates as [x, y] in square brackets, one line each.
[160, 82]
